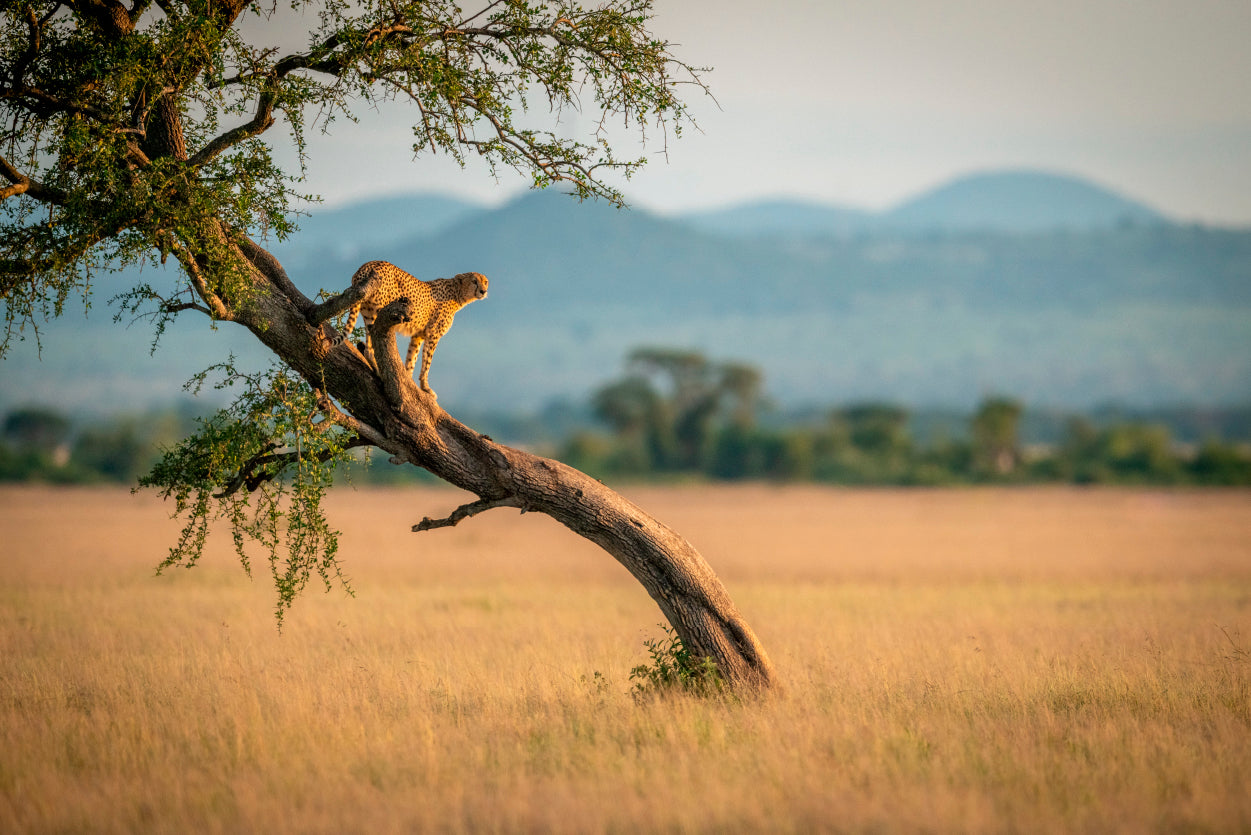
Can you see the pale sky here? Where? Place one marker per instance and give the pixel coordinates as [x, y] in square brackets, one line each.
[867, 103]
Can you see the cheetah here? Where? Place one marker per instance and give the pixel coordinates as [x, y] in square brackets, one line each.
[435, 303]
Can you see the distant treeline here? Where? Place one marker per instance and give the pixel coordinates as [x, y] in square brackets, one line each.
[676, 414]
[42, 444]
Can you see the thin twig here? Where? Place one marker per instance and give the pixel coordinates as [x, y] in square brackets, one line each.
[465, 511]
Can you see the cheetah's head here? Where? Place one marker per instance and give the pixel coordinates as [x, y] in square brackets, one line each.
[473, 286]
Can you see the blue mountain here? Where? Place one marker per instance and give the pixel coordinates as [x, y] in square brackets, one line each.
[999, 201]
[782, 217]
[1142, 312]
[349, 230]
[1019, 201]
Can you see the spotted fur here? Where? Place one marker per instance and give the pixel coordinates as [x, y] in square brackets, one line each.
[434, 302]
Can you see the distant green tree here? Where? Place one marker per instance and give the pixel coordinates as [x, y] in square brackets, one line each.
[1141, 453]
[36, 428]
[673, 403]
[877, 429]
[701, 394]
[643, 421]
[117, 453]
[1078, 458]
[996, 428]
[1132, 453]
[1221, 464]
[738, 453]
[33, 445]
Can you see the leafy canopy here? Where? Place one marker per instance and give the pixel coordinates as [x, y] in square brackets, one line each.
[132, 131]
[127, 130]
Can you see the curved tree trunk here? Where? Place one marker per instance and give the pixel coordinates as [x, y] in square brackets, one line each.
[390, 411]
[385, 409]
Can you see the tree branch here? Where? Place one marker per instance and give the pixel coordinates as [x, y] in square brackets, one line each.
[319, 58]
[272, 269]
[52, 103]
[181, 306]
[137, 8]
[35, 25]
[194, 274]
[109, 15]
[335, 305]
[262, 121]
[334, 414]
[247, 477]
[396, 379]
[466, 511]
[21, 184]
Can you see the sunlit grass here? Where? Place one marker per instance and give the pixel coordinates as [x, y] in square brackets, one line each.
[953, 661]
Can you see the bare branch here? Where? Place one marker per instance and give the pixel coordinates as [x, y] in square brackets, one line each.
[271, 268]
[21, 184]
[262, 121]
[334, 414]
[337, 304]
[181, 306]
[479, 14]
[465, 511]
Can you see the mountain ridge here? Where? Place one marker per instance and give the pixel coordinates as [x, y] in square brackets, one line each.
[1142, 314]
[1021, 201]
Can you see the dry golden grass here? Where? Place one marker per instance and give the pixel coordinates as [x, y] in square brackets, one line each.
[997, 661]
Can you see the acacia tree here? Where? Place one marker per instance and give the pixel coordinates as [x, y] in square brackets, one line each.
[135, 131]
[675, 428]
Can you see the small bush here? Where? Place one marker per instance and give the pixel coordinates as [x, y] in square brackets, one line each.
[674, 667]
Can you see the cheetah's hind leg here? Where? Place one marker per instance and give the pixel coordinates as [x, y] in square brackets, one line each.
[369, 316]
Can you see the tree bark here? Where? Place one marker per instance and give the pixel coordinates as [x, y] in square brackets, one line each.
[407, 422]
[387, 408]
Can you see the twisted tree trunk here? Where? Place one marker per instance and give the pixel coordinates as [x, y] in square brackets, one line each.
[390, 411]
[180, 207]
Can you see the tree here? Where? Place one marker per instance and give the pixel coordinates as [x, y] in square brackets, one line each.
[640, 417]
[996, 436]
[698, 389]
[33, 444]
[42, 429]
[136, 131]
[115, 452]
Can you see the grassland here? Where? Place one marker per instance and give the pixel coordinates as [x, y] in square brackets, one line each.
[976, 661]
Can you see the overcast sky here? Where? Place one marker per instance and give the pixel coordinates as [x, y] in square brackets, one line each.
[866, 103]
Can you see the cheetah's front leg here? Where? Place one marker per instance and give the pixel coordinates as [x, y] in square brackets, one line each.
[414, 345]
[426, 355]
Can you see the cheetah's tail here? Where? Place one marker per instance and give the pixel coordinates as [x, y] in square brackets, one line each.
[347, 330]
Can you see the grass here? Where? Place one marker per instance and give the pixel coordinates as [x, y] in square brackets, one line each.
[976, 661]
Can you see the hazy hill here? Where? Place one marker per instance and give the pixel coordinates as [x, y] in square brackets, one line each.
[1000, 201]
[1019, 201]
[346, 231]
[1141, 313]
[783, 217]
